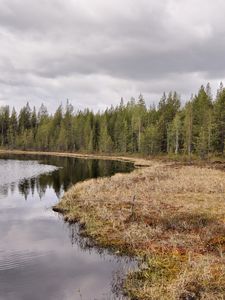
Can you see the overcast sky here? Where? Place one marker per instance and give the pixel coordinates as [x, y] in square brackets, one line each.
[95, 51]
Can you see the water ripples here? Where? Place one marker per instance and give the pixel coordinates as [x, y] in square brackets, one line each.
[11, 260]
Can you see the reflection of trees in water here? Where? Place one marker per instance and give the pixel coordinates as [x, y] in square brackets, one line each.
[71, 170]
[12, 187]
[24, 187]
[4, 189]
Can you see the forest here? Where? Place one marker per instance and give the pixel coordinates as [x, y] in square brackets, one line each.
[196, 127]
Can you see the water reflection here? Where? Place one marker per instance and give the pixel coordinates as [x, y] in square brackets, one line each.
[41, 257]
[124, 264]
[68, 171]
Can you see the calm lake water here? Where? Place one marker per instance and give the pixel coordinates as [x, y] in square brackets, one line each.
[41, 256]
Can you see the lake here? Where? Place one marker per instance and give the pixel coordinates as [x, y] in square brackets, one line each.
[41, 256]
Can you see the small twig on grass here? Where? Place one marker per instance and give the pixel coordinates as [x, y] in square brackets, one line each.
[132, 208]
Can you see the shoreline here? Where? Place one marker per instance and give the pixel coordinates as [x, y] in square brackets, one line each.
[168, 215]
[138, 162]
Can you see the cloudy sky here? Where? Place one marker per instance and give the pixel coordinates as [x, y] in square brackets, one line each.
[95, 51]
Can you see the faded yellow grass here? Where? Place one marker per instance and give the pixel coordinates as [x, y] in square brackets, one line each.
[171, 216]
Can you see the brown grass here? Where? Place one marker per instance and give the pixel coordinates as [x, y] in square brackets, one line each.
[175, 224]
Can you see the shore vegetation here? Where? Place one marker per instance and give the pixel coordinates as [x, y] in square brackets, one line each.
[170, 216]
[196, 127]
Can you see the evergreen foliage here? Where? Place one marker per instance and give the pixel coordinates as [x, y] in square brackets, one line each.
[197, 127]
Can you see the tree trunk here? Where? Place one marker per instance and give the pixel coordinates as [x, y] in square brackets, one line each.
[177, 142]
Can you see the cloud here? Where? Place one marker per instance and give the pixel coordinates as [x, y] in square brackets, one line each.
[94, 51]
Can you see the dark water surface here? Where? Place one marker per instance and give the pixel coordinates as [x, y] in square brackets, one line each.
[41, 257]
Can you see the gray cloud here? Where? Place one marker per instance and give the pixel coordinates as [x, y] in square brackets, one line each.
[95, 51]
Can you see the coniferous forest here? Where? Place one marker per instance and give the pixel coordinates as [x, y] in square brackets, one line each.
[196, 127]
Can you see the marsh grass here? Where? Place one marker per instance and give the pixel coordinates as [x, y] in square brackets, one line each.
[170, 216]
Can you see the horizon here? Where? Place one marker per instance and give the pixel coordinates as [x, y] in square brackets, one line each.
[125, 102]
[95, 52]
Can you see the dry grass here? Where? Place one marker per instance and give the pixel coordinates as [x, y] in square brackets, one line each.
[175, 224]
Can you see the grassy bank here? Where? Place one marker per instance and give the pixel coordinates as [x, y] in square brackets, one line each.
[170, 216]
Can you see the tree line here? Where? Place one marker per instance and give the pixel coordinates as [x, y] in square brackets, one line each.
[196, 127]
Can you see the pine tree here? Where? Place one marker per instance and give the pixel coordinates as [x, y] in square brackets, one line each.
[25, 118]
[150, 140]
[4, 125]
[13, 128]
[219, 121]
[202, 108]
[188, 128]
[174, 134]
[105, 141]
[168, 108]
[197, 128]
[42, 114]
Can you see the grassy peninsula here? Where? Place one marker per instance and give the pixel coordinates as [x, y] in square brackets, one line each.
[171, 216]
